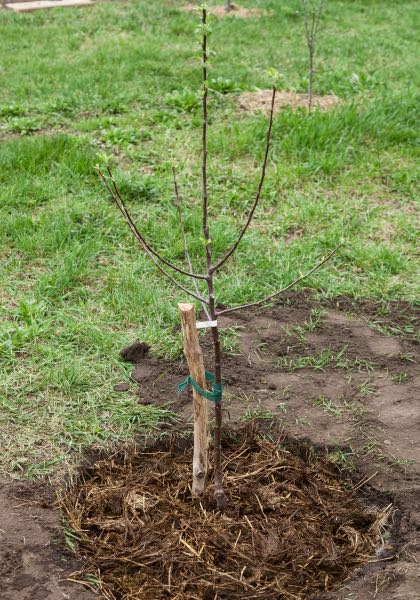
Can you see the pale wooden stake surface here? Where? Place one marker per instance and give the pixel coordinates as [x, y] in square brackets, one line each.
[42, 4]
[195, 362]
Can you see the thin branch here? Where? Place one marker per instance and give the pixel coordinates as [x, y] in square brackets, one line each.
[206, 232]
[145, 246]
[184, 237]
[318, 15]
[139, 236]
[260, 186]
[305, 18]
[271, 296]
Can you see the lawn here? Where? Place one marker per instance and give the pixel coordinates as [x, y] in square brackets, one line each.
[119, 84]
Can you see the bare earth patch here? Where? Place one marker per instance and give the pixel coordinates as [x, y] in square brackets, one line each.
[261, 101]
[32, 562]
[236, 11]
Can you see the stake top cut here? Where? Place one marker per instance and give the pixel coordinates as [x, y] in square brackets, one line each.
[185, 307]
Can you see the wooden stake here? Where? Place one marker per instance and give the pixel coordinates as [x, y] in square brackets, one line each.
[42, 4]
[195, 362]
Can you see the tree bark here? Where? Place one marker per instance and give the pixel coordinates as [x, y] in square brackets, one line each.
[219, 493]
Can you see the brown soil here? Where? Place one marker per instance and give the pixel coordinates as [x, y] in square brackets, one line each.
[292, 527]
[362, 404]
[33, 563]
[236, 11]
[261, 101]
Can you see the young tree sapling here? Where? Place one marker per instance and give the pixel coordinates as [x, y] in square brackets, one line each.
[213, 265]
[312, 11]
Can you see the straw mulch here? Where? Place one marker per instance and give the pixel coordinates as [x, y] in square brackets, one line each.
[260, 101]
[293, 526]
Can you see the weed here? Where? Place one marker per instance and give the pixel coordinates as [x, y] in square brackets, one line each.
[257, 413]
[230, 339]
[71, 539]
[224, 85]
[400, 377]
[356, 411]
[372, 448]
[286, 393]
[366, 389]
[309, 326]
[319, 361]
[184, 100]
[342, 458]
[402, 462]
[387, 329]
[328, 406]
[23, 125]
[119, 136]
[327, 358]
[302, 421]
[408, 357]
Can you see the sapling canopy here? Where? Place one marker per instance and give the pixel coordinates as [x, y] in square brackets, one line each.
[312, 12]
[212, 264]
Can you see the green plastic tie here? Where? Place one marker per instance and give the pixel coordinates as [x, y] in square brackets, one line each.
[214, 396]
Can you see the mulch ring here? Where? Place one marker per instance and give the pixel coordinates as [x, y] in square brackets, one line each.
[260, 101]
[294, 526]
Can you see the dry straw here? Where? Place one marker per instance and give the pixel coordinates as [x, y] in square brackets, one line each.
[293, 526]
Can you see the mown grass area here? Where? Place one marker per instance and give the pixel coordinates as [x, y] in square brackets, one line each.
[119, 84]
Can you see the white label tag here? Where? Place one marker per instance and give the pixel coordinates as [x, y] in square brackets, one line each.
[205, 324]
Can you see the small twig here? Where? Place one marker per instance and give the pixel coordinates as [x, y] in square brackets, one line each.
[271, 296]
[364, 481]
[249, 523]
[190, 548]
[237, 539]
[260, 186]
[261, 508]
[318, 16]
[184, 237]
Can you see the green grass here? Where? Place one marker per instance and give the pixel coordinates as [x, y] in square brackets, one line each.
[323, 359]
[309, 326]
[337, 409]
[120, 84]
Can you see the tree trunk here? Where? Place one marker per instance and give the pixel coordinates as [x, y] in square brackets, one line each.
[219, 494]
